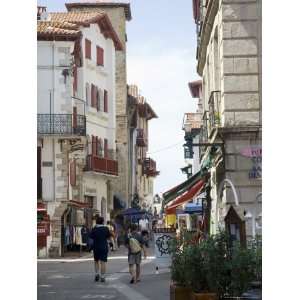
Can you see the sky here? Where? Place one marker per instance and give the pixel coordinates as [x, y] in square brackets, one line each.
[161, 60]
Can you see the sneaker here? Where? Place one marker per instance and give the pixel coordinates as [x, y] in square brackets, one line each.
[102, 279]
[97, 277]
[132, 281]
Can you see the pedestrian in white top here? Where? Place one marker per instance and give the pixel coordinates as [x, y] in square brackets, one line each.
[144, 228]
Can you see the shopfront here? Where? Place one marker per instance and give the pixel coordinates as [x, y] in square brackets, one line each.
[77, 222]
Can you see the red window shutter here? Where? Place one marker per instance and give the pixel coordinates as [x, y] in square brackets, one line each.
[73, 173]
[88, 49]
[92, 95]
[100, 56]
[97, 146]
[105, 148]
[75, 80]
[98, 99]
[101, 147]
[105, 101]
[94, 145]
[74, 117]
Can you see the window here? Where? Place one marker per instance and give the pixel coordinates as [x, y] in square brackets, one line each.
[100, 147]
[94, 96]
[88, 49]
[105, 101]
[87, 94]
[97, 99]
[105, 148]
[100, 56]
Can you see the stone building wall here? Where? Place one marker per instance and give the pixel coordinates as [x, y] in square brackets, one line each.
[233, 67]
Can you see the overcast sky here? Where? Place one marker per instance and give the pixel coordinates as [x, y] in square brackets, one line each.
[161, 52]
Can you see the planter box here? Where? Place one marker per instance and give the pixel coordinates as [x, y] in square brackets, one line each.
[204, 296]
[180, 293]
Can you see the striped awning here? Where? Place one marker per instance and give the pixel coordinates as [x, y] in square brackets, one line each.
[185, 197]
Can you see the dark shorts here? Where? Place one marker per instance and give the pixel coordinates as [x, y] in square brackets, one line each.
[100, 255]
[135, 259]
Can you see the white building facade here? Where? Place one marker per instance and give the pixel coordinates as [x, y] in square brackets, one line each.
[76, 121]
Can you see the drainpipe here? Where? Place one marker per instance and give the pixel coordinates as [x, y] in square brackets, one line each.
[53, 141]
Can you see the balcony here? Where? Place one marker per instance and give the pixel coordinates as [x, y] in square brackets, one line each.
[141, 140]
[214, 103]
[61, 124]
[149, 167]
[101, 165]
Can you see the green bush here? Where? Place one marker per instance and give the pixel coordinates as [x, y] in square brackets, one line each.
[214, 266]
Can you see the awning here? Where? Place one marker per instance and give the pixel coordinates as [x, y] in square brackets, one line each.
[187, 196]
[79, 204]
[193, 208]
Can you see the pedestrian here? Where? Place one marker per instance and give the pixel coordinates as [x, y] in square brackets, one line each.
[111, 230]
[135, 244]
[144, 228]
[100, 236]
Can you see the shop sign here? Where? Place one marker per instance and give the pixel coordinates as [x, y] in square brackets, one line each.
[255, 154]
[162, 242]
[43, 229]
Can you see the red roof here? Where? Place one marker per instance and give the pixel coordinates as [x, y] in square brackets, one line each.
[101, 3]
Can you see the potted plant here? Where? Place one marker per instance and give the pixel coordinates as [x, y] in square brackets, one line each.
[179, 288]
[208, 274]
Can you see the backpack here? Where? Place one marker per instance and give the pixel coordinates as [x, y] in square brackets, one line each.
[134, 246]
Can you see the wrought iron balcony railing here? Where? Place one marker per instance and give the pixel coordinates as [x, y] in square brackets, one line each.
[61, 124]
[149, 167]
[214, 104]
[101, 165]
[141, 140]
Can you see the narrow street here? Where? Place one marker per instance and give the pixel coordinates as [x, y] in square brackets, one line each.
[74, 279]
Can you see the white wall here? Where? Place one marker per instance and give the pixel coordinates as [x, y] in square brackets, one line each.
[100, 124]
[52, 58]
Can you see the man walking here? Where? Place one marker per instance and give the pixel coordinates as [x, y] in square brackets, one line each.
[135, 244]
[100, 234]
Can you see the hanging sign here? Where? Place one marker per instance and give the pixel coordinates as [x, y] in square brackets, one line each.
[162, 242]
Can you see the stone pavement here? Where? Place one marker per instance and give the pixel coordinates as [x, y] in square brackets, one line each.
[74, 280]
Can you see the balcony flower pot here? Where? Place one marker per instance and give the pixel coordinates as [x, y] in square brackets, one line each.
[178, 292]
[204, 296]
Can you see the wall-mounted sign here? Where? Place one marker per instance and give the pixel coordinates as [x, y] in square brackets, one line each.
[255, 154]
[252, 151]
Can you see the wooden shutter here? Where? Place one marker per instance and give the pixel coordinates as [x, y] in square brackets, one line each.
[88, 49]
[74, 117]
[97, 146]
[94, 146]
[75, 80]
[87, 94]
[105, 101]
[98, 99]
[101, 147]
[92, 95]
[100, 56]
[73, 173]
[105, 148]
